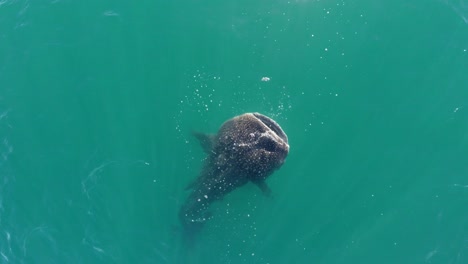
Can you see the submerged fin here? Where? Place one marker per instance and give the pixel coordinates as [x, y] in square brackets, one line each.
[191, 185]
[206, 141]
[263, 187]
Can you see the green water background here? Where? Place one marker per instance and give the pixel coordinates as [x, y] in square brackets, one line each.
[98, 98]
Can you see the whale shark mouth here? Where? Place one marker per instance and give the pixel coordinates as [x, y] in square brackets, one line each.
[270, 123]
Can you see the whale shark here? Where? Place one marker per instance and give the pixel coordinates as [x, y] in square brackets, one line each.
[246, 148]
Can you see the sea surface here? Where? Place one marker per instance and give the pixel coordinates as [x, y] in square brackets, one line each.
[98, 100]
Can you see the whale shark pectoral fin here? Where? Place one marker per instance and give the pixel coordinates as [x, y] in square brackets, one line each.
[206, 141]
[263, 187]
[191, 185]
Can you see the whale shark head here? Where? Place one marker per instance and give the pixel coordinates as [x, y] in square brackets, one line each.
[253, 142]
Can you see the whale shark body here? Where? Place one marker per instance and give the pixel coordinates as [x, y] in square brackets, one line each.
[247, 148]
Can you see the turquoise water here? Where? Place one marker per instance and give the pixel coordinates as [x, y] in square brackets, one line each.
[98, 99]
